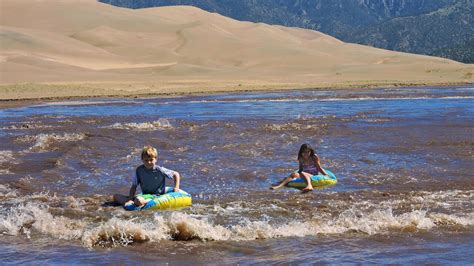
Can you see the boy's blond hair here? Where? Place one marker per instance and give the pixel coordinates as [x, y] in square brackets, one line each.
[150, 152]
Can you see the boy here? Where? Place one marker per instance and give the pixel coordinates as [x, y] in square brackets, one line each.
[150, 177]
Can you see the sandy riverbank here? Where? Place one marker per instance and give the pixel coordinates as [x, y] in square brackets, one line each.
[14, 95]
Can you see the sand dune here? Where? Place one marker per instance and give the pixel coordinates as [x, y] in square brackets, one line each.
[82, 41]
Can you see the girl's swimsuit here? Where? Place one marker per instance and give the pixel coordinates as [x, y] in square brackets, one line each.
[310, 168]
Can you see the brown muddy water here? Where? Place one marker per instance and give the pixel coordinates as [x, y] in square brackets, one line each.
[403, 158]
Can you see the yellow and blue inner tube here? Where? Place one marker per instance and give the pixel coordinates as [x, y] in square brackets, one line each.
[169, 200]
[318, 181]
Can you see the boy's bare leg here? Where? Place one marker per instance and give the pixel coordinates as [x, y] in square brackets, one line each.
[140, 201]
[120, 199]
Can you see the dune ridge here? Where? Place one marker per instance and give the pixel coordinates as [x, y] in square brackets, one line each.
[59, 48]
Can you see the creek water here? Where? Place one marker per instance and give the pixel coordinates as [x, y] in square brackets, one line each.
[403, 158]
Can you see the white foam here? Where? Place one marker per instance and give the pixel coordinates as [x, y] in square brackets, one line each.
[16, 221]
[117, 232]
[376, 222]
[204, 229]
[445, 199]
[6, 157]
[161, 123]
[5, 172]
[396, 98]
[57, 226]
[7, 192]
[22, 218]
[288, 126]
[335, 99]
[445, 219]
[43, 141]
[27, 216]
[27, 125]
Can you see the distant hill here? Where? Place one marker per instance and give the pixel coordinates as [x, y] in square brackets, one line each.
[446, 32]
[432, 27]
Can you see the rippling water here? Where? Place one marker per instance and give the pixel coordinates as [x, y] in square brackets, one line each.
[404, 159]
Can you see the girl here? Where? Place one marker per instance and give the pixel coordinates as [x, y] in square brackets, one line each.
[309, 165]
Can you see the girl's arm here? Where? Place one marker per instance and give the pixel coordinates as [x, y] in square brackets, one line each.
[177, 179]
[300, 166]
[317, 162]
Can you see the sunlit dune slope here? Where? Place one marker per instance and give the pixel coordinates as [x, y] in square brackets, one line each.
[86, 41]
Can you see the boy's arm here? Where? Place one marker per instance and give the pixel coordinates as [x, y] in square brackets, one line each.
[177, 179]
[131, 194]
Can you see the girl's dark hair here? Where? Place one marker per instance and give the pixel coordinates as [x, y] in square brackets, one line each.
[306, 147]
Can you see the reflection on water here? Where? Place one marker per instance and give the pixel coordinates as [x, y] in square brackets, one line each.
[403, 158]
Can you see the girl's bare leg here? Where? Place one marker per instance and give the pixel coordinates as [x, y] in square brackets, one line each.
[307, 177]
[285, 181]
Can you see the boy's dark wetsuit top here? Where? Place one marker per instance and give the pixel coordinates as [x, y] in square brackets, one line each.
[152, 181]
